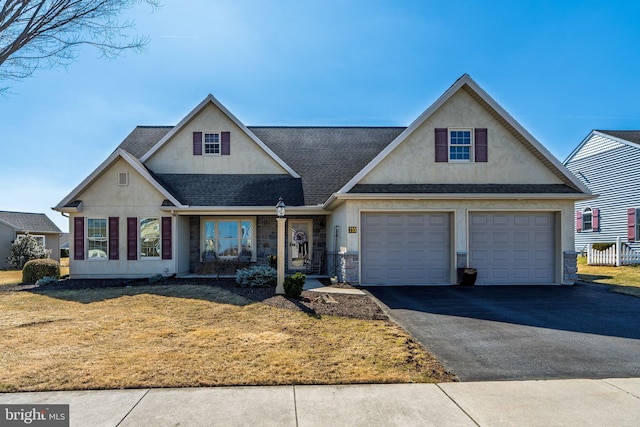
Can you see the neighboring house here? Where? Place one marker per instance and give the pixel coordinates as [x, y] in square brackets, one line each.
[16, 224]
[608, 163]
[464, 185]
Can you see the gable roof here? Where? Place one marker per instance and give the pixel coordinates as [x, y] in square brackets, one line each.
[627, 137]
[70, 202]
[467, 84]
[326, 157]
[210, 99]
[29, 222]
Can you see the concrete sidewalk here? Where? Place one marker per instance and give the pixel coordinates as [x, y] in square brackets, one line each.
[610, 402]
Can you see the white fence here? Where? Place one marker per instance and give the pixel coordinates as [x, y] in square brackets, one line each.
[618, 254]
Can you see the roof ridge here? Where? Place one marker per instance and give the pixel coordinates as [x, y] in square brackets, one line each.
[326, 127]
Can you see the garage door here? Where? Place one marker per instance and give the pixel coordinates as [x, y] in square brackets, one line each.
[405, 248]
[512, 248]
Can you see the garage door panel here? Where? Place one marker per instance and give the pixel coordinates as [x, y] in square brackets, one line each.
[408, 248]
[520, 247]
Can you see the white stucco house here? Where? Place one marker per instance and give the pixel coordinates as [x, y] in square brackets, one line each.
[464, 185]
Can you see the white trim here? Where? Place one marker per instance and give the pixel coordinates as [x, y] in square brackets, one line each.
[465, 80]
[471, 146]
[88, 238]
[244, 210]
[211, 99]
[150, 258]
[24, 233]
[601, 134]
[239, 220]
[132, 161]
[204, 143]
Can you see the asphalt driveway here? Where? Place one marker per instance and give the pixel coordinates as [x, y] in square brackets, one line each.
[484, 333]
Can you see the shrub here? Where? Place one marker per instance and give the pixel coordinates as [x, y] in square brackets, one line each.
[47, 280]
[36, 269]
[293, 285]
[258, 276]
[24, 249]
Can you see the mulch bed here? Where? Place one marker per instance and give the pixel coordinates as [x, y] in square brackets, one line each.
[312, 303]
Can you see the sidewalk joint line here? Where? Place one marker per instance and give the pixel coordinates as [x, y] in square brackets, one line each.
[133, 407]
[456, 403]
[295, 405]
[619, 388]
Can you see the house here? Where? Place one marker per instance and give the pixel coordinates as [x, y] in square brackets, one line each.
[16, 224]
[464, 185]
[608, 163]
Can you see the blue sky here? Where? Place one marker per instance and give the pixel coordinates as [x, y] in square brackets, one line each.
[561, 68]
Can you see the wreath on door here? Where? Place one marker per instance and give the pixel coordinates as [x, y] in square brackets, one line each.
[300, 239]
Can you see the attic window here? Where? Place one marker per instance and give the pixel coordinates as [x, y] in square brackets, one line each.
[123, 178]
[460, 144]
[212, 143]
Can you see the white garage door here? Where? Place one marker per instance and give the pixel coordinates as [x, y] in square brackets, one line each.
[512, 248]
[406, 248]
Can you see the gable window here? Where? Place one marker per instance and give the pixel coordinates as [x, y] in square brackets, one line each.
[149, 238]
[460, 144]
[97, 242]
[228, 238]
[211, 143]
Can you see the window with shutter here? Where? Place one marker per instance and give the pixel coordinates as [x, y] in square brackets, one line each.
[579, 221]
[631, 224]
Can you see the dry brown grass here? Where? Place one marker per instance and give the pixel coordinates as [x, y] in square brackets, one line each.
[14, 277]
[183, 336]
[625, 279]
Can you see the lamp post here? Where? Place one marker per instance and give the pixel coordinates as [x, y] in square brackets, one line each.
[280, 211]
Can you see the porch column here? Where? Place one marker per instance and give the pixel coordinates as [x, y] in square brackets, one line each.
[280, 257]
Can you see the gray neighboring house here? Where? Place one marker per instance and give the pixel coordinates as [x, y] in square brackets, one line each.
[14, 224]
[608, 163]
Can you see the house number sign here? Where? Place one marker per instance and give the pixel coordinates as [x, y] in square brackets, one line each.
[353, 229]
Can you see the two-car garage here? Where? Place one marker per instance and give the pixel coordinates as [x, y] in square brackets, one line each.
[416, 248]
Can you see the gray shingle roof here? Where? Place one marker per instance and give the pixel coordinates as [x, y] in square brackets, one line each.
[326, 157]
[627, 135]
[464, 188]
[31, 222]
[232, 190]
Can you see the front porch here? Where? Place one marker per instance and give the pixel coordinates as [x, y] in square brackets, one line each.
[219, 245]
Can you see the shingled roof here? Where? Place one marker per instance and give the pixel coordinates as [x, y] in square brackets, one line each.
[29, 222]
[325, 157]
[627, 135]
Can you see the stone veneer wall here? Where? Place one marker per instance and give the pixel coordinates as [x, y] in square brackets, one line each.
[569, 268]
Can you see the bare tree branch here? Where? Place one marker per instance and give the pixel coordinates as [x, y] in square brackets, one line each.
[46, 33]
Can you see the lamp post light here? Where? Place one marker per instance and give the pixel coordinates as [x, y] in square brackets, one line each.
[280, 211]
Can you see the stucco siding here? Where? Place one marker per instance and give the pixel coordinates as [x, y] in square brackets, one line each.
[612, 174]
[104, 199]
[413, 161]
[176, 155]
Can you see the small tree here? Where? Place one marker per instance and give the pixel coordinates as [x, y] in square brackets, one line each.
[25, 249]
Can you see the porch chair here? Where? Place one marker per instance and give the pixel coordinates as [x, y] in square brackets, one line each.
[315, 266]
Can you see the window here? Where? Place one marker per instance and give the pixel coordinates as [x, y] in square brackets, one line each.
[212, 143]
[39, 238]
[460, 145]
[149, 238]
[97, 242]
[228, 238]
[587, 219]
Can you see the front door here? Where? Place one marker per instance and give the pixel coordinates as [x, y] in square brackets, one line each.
[300, 238]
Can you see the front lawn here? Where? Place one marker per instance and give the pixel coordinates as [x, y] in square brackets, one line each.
[626, 279]
[192, 335]
[14, 277]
